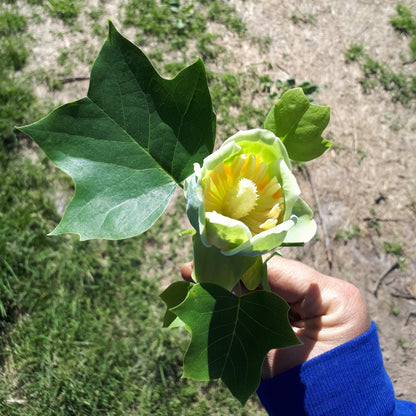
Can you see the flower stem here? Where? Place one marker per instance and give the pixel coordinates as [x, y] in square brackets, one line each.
[264, 280]
[275, 253]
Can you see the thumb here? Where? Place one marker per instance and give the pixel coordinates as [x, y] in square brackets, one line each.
[186, 271]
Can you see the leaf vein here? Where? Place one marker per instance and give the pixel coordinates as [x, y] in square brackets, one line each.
[259, 323]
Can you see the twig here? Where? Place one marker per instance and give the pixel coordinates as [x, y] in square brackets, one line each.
[384, 275]
[66, 80]
[409, 316]
[362, 30]
[380, 199]
[409, 62]
[321, 218]
[403, 296]
[382, 219]
[283, 69]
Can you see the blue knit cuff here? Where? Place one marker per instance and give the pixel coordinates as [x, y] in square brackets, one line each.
[348, 380]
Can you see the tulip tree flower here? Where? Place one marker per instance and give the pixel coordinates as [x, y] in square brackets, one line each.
[245, 199]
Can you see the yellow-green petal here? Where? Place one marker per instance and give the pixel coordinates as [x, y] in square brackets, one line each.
[305, 228]
[224, 232]
[264, 242]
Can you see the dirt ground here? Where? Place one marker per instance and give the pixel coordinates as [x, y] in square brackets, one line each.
[367, 178]
[372, 165]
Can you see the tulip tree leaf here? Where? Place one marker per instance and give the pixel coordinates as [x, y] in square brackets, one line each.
[173, 296]
[129, 142]
[231, 335]
[299, 124]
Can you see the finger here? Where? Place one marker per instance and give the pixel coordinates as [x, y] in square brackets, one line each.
[314, 295]
[301, 286]
[186, 271]
[291, 279]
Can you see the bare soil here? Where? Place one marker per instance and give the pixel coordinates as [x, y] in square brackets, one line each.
[372, 165]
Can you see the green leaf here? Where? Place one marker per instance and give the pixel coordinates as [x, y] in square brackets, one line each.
[299, 124]
[231, 335]
[173, 296]
[129, 142]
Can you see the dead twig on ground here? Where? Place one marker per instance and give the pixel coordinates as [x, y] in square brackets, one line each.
[384, 275]
[362, 30]
[403, 296]
[382, 219]
[283, 69]
[411, 314]
[321, 218]
[66, 80]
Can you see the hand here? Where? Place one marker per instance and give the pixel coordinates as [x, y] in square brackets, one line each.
[325, 312]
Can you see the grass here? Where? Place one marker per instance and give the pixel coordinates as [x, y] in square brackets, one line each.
[233, 94]
[401, 85]
[396, 249]
[80, 322]
[393, 309]
[166, 21]
[17, 102]
[17, 105]
[13, 51]
[174, 24]
[309, 89]
[11, 23]
[348, 233]
[222, 12]
[354, 53]
[405, 23]
[234, 105]
[392, 247]
[66, 10]
[305, 18]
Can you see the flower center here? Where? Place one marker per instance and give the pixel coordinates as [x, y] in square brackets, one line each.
[240, 199]
[243, 190]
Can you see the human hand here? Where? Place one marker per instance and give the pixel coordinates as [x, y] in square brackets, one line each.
[325, 312]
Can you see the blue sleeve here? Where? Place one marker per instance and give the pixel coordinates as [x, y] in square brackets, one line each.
[348, 380]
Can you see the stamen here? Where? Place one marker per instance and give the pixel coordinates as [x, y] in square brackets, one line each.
[268, 224]
[260, 173]
[250, 167]
[275, 211]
